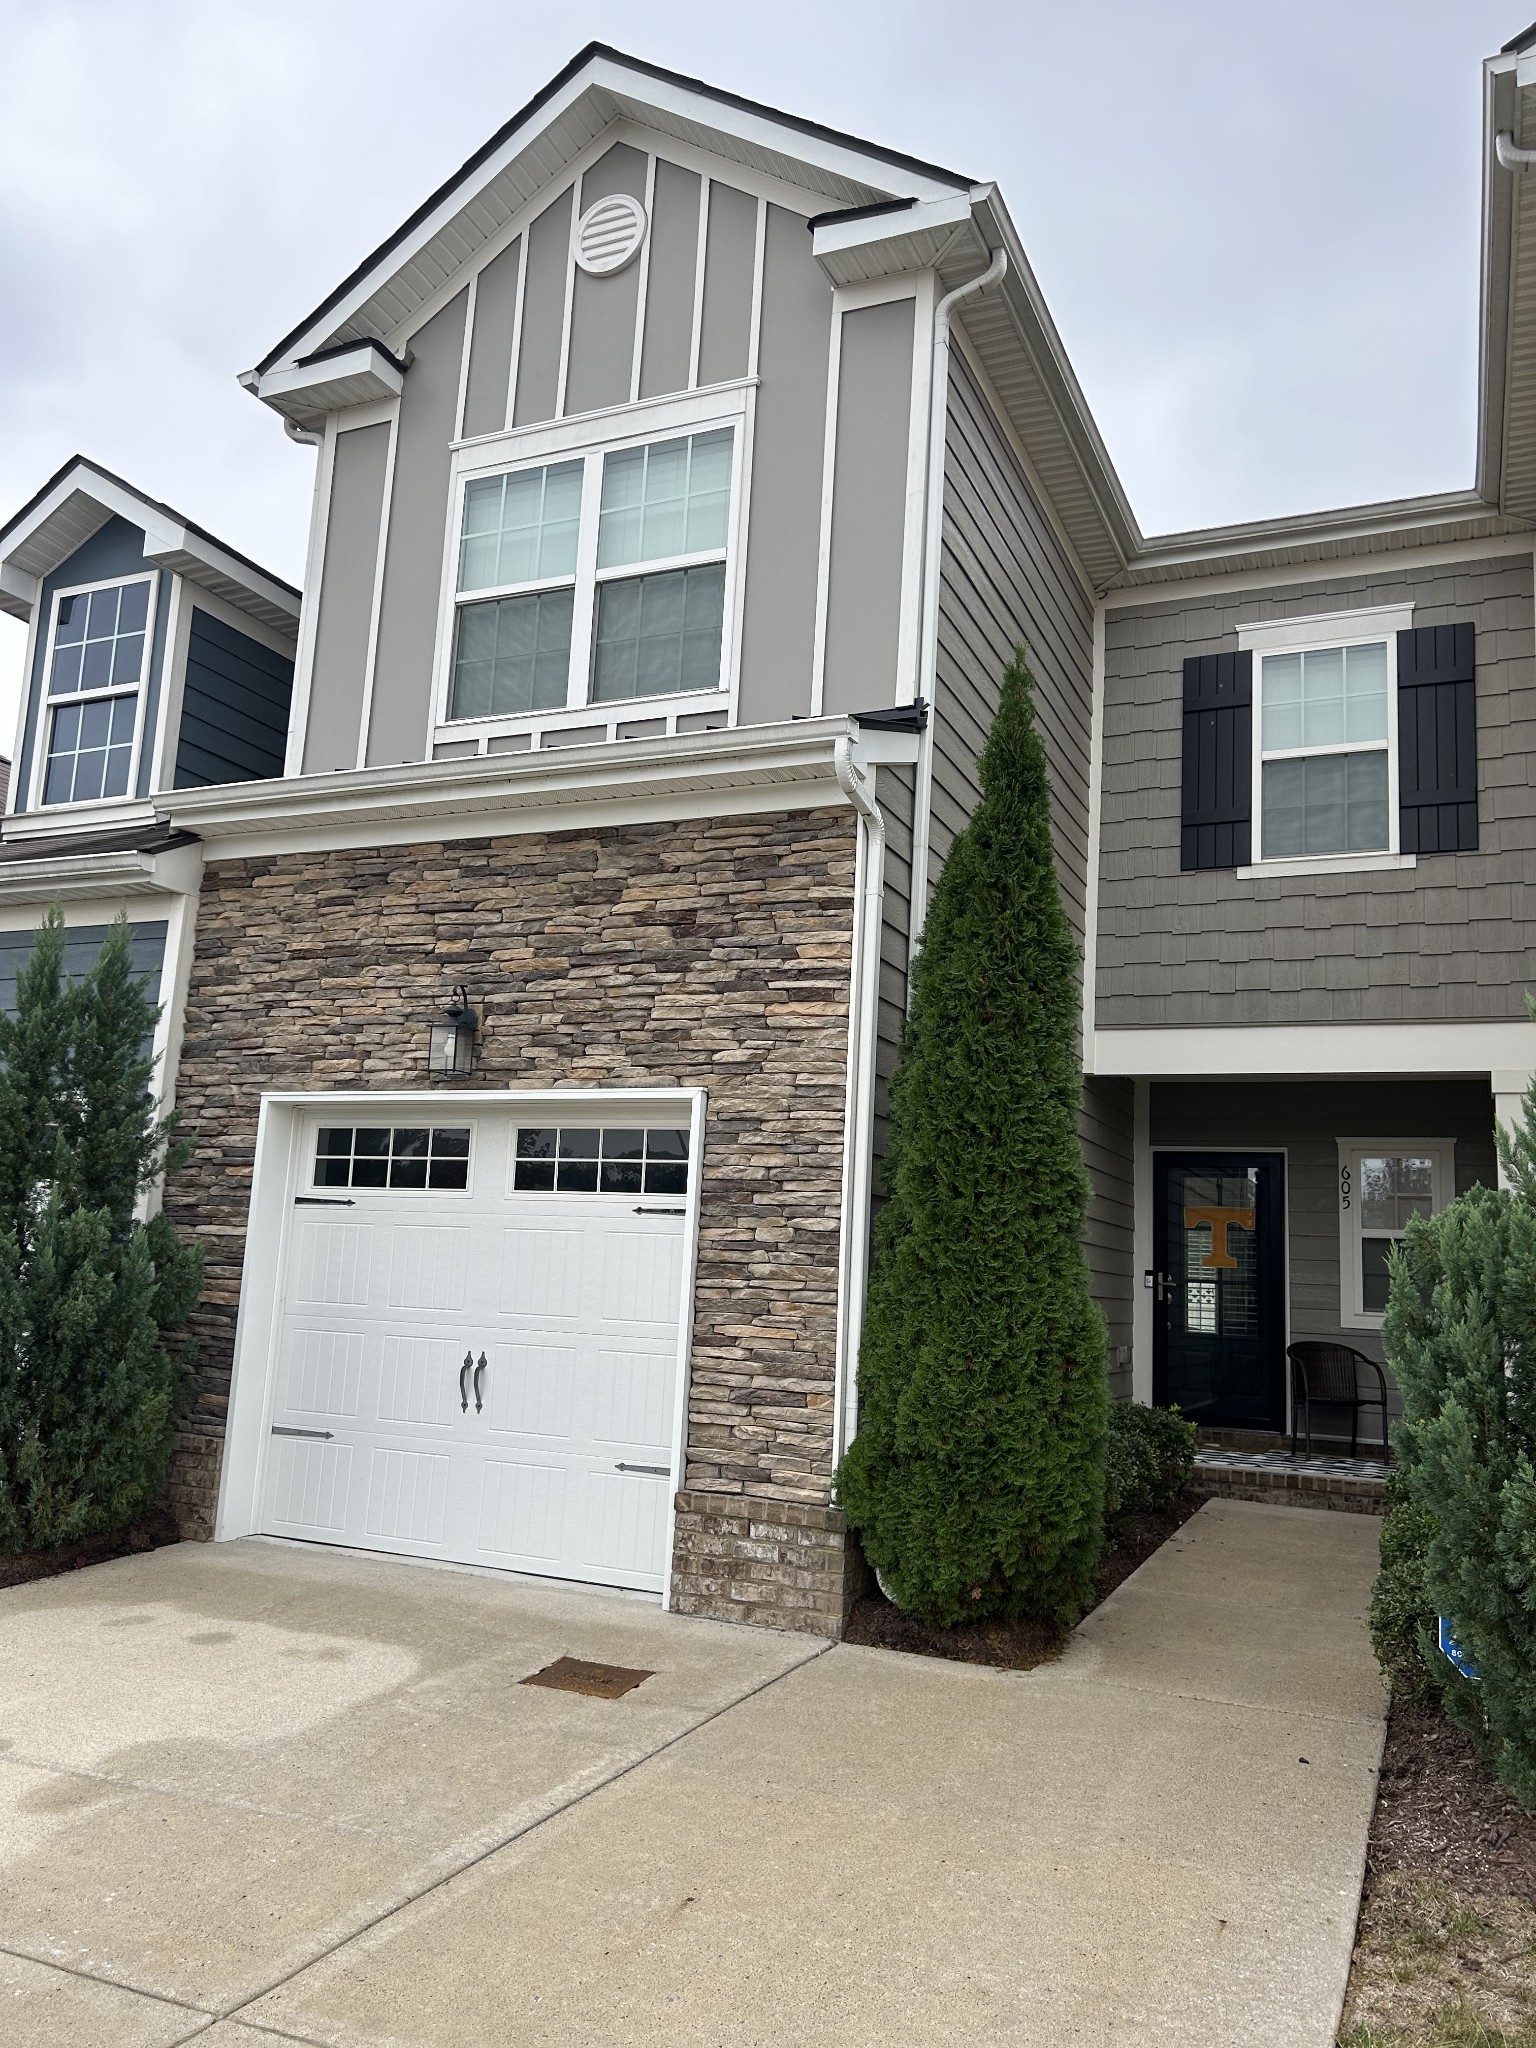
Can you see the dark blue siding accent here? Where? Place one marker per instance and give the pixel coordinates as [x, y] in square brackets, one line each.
[234, 707]
[116, 549]
[82, 944]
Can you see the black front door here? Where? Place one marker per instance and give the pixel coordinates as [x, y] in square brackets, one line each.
[1219, 1305]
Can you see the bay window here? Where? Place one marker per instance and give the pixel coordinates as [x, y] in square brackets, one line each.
[594, 579]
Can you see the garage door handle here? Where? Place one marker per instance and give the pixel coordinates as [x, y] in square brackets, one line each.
[661, 1212]
[479, 1370]
[656, 1471]
[469, 1359]
[326, 1201]
[320, 1435]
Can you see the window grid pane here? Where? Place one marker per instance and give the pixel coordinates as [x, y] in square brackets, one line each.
[406, 1156]
[660, 635]
[620, 1161]
[671, 498]
[99, 640]
[1325, 803]
[1326, 697]
[520, 528]
[89, 748]
[512, 655]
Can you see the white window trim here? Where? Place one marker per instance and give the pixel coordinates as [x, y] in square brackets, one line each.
[46, 705]
[591, 436]
[1441, 1151]
[1317, 631]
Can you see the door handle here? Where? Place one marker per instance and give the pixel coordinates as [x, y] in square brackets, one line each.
[469, 1359]
[479, 1370]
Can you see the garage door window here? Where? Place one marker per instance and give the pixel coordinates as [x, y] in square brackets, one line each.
[399, 1156]
[605, 1162]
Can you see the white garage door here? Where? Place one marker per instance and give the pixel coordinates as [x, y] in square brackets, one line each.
[479, 1343]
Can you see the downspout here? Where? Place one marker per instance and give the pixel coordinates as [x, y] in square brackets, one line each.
[859, 1104]
[933, 530]
[307, 437]
[1509, 156]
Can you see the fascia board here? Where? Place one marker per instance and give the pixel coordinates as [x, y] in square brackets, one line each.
[310, 390]
[1472, 1046]
[202, 561]
[1037, 331]
[450, 793]
[880, 245]
[18, 591]
[86, 876]
[28, 538]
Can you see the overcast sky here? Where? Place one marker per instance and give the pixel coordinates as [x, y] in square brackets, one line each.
[1256, 227]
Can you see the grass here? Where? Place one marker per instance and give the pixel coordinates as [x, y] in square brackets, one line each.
[1436, 1968]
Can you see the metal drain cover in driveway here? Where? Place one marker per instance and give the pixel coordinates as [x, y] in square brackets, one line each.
[601, 1681]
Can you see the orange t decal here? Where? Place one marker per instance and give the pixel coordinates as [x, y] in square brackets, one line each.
[1221, 1221]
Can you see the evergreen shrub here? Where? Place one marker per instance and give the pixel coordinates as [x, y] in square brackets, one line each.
[1461, 1335]
[976, 1479]
[1149, 1458]
[1403, 1618]
[89, 1290]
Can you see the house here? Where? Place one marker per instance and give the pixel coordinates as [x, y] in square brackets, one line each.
[686, 475]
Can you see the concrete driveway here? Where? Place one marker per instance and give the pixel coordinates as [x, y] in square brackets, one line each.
[254, 1793]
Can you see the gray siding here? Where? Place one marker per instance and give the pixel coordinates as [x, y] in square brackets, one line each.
[894, 794]
[490, 349]
[669, 290]
[789, 435]
[114, 549]
[1107, 1127]
[1306, 1119]
[538, 353]
[730, 252]
[346, 599]
[1006, 581]
[1450, 938]
[603, 309]
[869, 503]
[82, 949]
[413, 557]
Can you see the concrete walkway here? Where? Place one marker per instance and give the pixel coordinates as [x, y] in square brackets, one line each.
[254, 1794]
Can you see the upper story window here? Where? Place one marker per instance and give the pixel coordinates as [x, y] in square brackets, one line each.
[1325, 756]
[589, 578]
[95, 671]
[595, 580]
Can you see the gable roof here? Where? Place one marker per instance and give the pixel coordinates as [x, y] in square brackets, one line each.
[599, 86]
[81, 497]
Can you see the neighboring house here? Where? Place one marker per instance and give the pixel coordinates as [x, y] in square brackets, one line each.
[687, 475]
[157, 659]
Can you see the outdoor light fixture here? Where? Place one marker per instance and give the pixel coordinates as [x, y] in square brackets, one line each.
[451, 1037]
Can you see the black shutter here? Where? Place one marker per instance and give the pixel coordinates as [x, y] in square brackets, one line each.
[1437, 739]
[1218, 761]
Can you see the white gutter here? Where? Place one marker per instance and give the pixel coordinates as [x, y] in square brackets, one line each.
[933, 526]
[859, 1104]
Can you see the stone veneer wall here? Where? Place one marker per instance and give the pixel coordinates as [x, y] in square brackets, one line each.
[712, 954]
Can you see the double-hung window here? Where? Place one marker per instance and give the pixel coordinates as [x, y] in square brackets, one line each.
[95, 677]
[593, 580]
[1325, 738]
[1383, 1183]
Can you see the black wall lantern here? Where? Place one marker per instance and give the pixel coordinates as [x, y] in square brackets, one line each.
[451, 1037]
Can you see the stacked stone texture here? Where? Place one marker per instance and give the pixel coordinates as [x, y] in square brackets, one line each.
[715, 954]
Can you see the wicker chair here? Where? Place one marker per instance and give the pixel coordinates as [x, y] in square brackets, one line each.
[1328, 1375]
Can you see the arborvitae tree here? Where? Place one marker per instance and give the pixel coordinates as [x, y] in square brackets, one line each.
[976, 1479]
[1461, 1334]
[88, 1290]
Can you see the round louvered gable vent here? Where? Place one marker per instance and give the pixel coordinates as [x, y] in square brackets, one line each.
[609, 233]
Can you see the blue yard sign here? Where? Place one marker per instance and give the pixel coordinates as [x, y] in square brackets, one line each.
[1457, 1655]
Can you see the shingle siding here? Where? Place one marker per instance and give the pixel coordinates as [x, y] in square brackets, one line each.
[1450, 938]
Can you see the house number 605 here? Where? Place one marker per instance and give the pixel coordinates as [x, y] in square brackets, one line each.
[1344, 1187]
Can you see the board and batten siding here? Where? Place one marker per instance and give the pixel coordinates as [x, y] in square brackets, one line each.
[894, 792]
[725, 286]
[1006, 581]
[1305, 1120]
[1452, 937]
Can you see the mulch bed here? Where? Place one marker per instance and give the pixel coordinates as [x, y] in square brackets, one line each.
[1446, 1949]
[1017, 1645]
[151, 1532]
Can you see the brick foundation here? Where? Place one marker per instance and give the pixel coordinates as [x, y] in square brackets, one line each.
[714, 953]
[192, 1491]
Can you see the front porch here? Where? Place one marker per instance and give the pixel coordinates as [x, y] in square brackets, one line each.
[1266, 1210]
